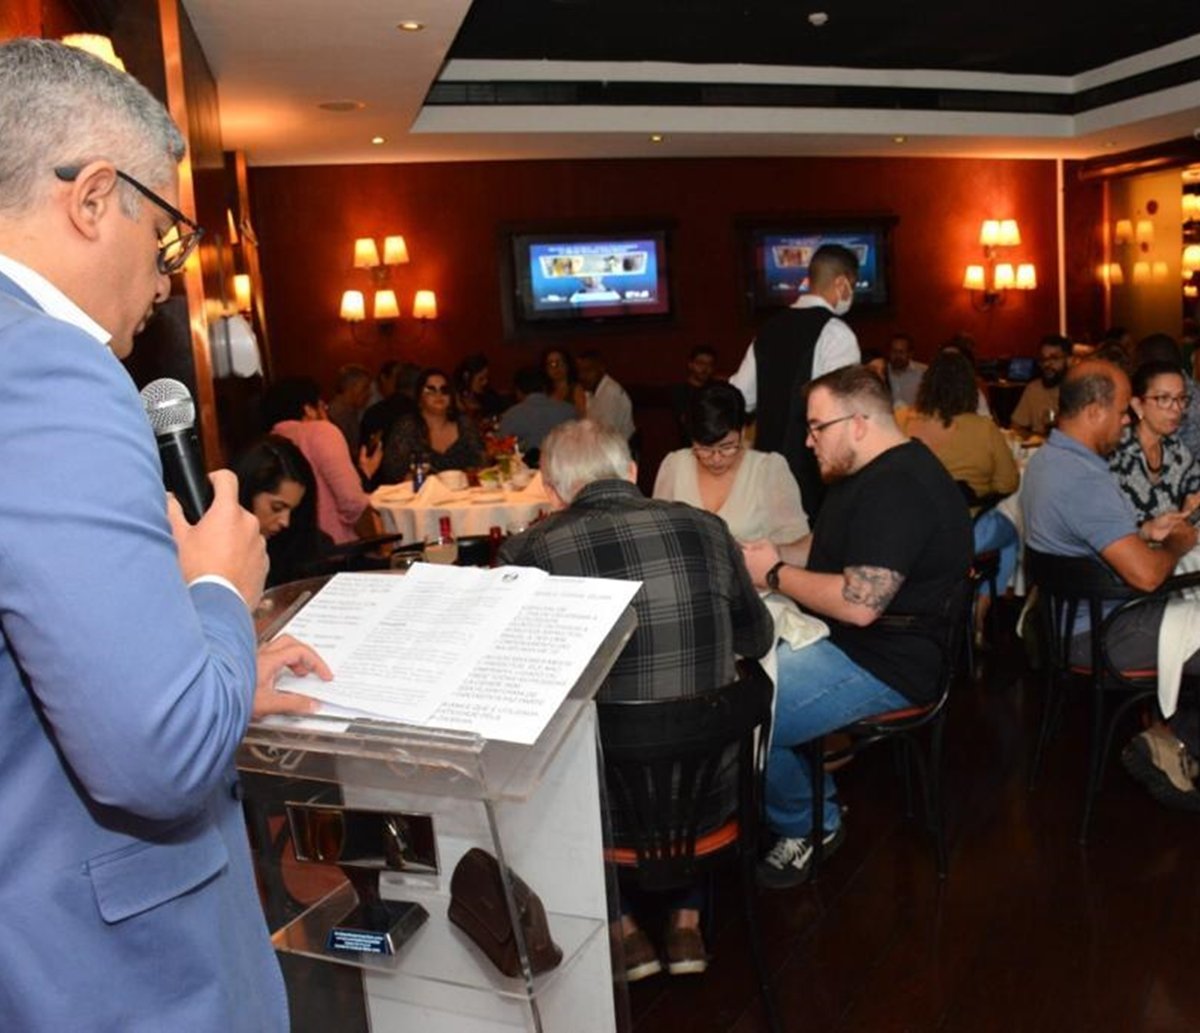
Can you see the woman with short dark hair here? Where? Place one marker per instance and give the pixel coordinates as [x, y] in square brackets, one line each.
[444, 438]
[753, 492]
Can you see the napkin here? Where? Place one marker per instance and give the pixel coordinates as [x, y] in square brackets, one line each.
[433, 493]
[535, 488]
[393, 494]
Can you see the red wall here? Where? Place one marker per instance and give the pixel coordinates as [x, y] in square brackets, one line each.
[307, 219]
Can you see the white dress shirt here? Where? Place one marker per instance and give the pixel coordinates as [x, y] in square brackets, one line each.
[836, 347]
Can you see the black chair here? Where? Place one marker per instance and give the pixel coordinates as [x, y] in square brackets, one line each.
[663, 762]
[905, 727]
[1069, 587]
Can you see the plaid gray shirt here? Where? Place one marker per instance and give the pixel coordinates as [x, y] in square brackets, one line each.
[696, 608]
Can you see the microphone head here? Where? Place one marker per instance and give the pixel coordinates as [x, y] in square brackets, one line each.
[169, 406]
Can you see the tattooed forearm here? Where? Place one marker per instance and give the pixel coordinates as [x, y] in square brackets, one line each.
[874, 587]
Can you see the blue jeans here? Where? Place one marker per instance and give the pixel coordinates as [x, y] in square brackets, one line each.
[820, 689]
[993, 530]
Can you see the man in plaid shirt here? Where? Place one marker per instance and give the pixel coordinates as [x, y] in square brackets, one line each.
[696, 609]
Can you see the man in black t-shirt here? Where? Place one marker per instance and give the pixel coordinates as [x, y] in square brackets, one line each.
[893, 536]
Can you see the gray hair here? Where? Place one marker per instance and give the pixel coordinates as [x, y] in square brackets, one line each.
[61, 107]
[580, 452]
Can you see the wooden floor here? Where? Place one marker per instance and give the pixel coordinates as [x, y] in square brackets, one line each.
[1030, 932]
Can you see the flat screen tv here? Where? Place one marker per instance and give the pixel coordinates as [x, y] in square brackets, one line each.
[778, 255]
[589, 277]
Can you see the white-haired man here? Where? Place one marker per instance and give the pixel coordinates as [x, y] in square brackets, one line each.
[893, 537]
[127, 661]
[696, 608]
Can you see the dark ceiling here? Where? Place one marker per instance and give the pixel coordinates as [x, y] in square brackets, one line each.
[1051, 37]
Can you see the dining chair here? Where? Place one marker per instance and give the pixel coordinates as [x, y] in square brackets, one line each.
[905, 727]
[1071, 587]
[665, 762]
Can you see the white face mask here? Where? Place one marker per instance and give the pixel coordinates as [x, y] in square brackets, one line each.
[842, 305]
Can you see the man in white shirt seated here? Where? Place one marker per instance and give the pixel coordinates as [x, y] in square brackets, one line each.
[607, 401]
[904, 373]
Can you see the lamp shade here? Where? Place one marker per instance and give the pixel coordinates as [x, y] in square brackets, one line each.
[1009, 234]
[1191, 207]
[241, 292]
[989, 233]
[97, 46]
[1004, 277]
[366, 254]
[974, 279]
[1116, 275]
[386, 306]
[1144, 232]
[395, 251]
[1123, 231]
[1026, 276]
[1159, 272]
[425, 305]
[353, 307]
[1191, 258]
[1141, 272]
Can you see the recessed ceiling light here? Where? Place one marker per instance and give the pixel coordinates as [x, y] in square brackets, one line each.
[899, 139]
[341, 105]
[377, 140]
[817, 19]
[411, 26]
[1109, 143]
[656, 138]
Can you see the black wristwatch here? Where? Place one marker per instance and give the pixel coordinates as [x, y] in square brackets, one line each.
[772, 578]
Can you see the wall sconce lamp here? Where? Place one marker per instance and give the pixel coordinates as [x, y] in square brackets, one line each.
[385, 310]
[366, 256]
[990, 281]
[241, 292]
[96, 45]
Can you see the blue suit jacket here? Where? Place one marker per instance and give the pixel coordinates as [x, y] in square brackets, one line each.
[126, 891]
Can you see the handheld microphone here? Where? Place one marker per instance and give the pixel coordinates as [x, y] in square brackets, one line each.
[172, 415]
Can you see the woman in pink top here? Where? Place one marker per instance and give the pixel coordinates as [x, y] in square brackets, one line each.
[294, 409]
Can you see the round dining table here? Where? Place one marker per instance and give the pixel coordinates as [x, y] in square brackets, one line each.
[472, 511]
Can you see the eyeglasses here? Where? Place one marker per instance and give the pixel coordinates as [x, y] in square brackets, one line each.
[725, 451]
[819, 428]
[175, 245]
[1179, 402]
[437, 389]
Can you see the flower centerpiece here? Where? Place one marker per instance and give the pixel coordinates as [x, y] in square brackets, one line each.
[504, 455]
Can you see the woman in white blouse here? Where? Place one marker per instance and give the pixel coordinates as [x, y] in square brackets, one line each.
[753, 492]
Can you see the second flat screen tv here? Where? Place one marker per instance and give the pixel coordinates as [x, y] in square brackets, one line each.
[590, 276]
[780, 255]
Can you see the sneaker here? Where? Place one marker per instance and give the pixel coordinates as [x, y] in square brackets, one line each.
[640, 958]
[1164, 768]
[686, 955]
[789, 861]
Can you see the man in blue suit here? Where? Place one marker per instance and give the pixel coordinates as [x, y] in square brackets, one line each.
[127, 663]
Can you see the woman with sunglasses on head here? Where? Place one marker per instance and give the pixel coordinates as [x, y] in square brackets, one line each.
[443, 438]
[1154, 469]
[753, 492]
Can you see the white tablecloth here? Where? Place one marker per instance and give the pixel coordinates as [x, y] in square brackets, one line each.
[473, 511]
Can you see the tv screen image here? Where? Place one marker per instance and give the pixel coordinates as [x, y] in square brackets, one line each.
[781, 257]
[586, 277]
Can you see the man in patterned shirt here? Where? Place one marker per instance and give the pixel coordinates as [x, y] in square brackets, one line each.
[696, 608]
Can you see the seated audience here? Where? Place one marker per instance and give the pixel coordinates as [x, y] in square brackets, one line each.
[474, 396]
[696, 610]
[386, 411]
[970, 446]
[1038, 405]
[964, 345]
[877, 363]
[893, 537]
[607, 401]
[535, 414]
[351, 393]
[437, 433]
[1072, 506]
[276, 484]
[293, 409]
[559, 366]
[1155, 470]
[903, 372]
[753, 492]
[701, 363]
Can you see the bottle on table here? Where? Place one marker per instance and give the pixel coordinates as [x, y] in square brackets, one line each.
[442, 547]
[420, 470]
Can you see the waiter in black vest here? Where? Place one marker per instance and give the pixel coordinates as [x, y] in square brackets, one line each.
[793, 347]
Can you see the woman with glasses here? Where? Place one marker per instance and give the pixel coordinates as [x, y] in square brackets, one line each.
[753, 492]
[437, 433]
[1154, 469]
